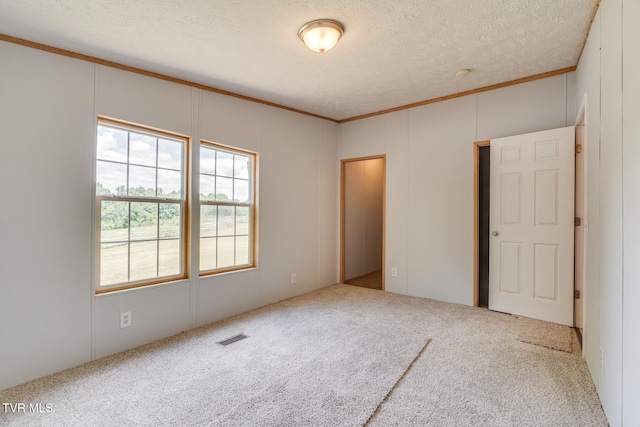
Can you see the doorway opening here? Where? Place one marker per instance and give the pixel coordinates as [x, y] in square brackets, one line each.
[482, 162]
[362, 221]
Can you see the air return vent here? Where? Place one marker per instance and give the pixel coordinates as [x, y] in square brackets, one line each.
[233, 339]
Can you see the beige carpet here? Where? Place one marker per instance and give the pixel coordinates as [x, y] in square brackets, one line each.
[476, 373]
[339, 356]
[545, 334]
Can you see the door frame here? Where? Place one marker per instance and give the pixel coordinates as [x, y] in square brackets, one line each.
[581, 121]
[343, 164]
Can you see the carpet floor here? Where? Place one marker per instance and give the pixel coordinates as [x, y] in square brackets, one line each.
[338, 356]
[372, 280]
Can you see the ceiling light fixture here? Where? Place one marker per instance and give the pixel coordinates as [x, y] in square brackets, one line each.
[463, 72]
[321, 35]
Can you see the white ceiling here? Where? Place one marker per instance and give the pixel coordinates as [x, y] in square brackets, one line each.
[393, 52]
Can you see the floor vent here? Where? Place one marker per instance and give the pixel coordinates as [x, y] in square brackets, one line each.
[233, 339]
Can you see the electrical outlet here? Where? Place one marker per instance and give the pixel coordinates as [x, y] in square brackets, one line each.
[394, 272]
[125, 319]
[294, 279]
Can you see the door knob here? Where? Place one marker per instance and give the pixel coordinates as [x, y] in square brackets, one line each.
[494, 233]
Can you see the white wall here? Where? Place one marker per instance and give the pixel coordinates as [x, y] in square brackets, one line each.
[631, 211]
[373, 209]
[430, 177]
[607, 78]
[611, 234]
[46, 147]
[440, 208]
[386, 134]
[363, 198]
[49, 317]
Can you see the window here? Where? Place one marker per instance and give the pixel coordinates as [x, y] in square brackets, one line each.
[227, 208]
[140, 206]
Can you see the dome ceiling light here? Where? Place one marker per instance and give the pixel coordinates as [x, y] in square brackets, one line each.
[463, 72]
[321, 35]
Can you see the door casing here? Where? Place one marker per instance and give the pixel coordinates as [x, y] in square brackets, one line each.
[581, 210]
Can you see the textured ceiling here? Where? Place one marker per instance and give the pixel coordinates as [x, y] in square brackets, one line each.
[393, 52]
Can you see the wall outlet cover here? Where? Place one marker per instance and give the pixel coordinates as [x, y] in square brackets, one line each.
[125, 319]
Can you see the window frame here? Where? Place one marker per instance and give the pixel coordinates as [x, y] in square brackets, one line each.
[252, 205]
[183, 202]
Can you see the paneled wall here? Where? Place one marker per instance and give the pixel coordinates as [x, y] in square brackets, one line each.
[50, 318]
[47, 121]
[429, 190]
[631, 212]
[611, 231]
[608, 88]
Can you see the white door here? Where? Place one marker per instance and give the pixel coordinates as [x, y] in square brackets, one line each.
[532, 225]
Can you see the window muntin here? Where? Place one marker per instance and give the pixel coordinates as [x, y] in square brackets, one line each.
[227, 208]
[140, 204]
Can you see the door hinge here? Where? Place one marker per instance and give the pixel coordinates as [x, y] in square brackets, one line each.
[577, 293]
[577, 221]
[578, 148]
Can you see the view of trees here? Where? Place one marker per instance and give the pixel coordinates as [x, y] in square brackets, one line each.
[137, 237]
[116, 215]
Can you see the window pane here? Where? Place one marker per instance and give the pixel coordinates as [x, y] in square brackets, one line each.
[207, 161]
[208, 220]
[114, 221]
[226, 223]
[112, 144]
[224, 164]
[114, 263]
[144, 221]
[140, 241]
[208, 253]
[242, 250]
[111, 178]
[142, 149]
[242, 220]
[225, 228]
[144, 260]
[170, 223]
[226, 252]
[169, 154]
[169, 184]
[169, 257]
[242, 166]
[241, 191]
[207, 187]
[142, 181]
[224, 189]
